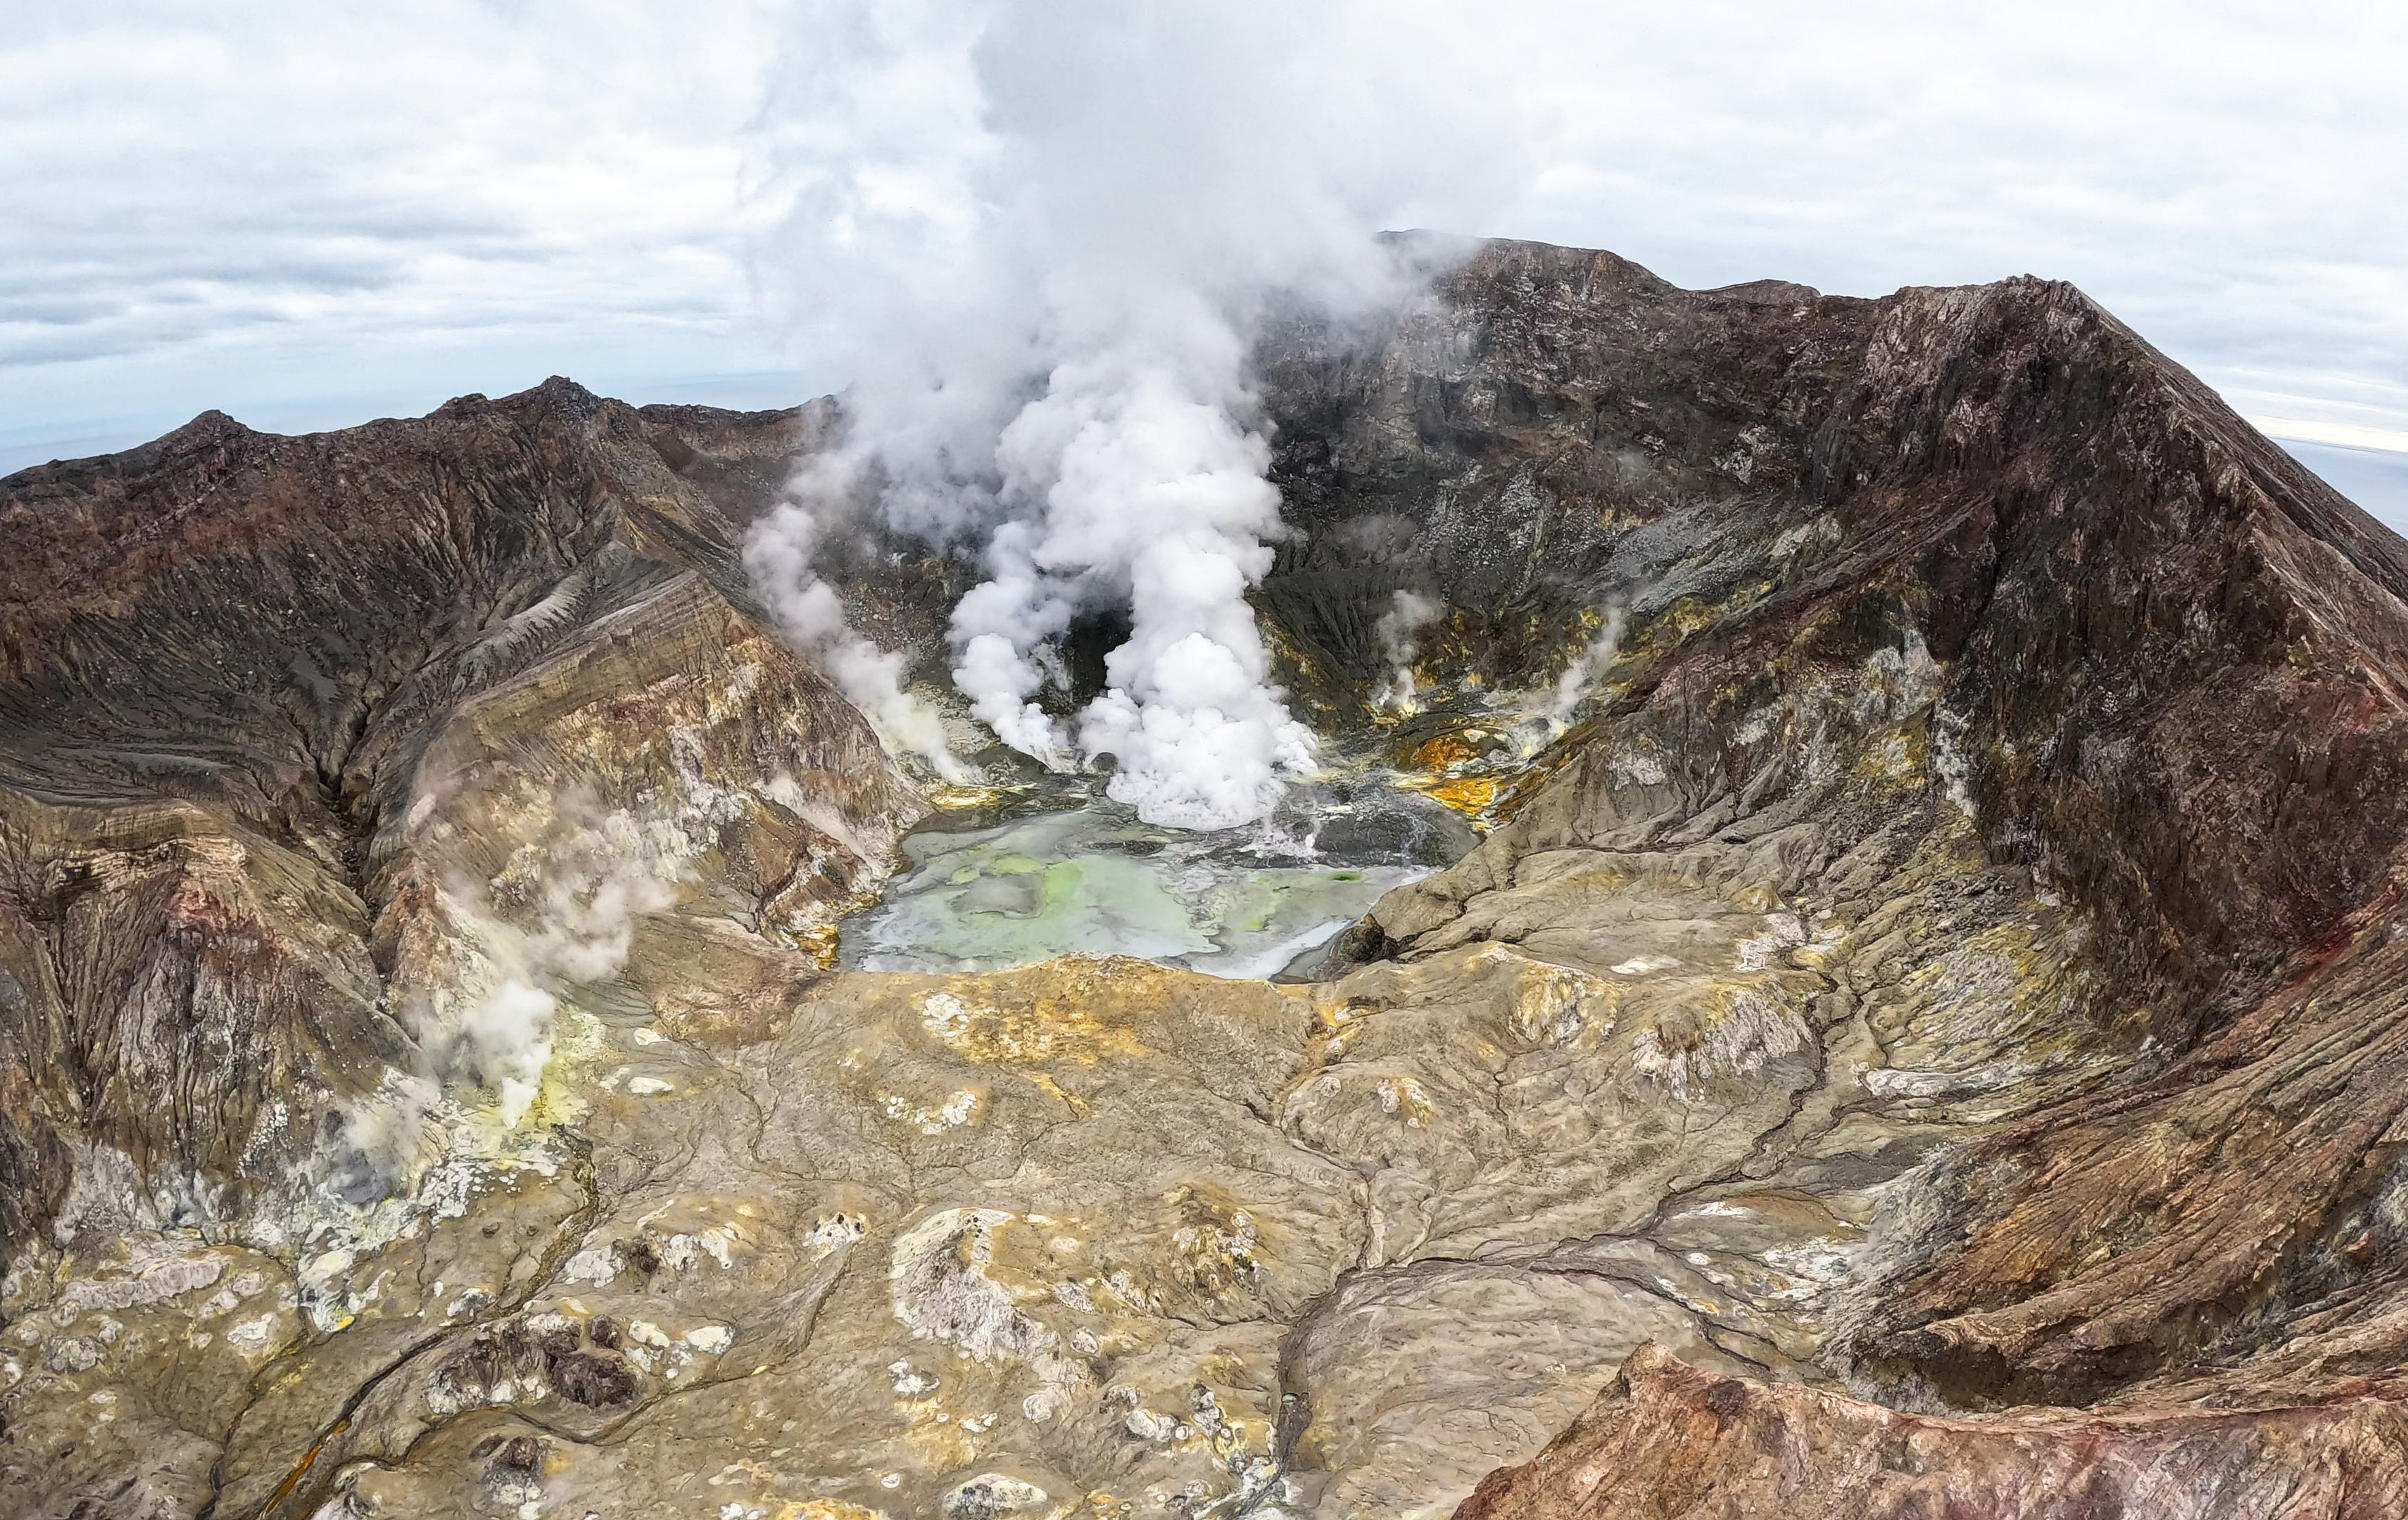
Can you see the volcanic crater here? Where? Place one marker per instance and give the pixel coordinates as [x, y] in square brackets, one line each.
[1853, 964]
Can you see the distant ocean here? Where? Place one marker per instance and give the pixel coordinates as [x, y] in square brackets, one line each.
[2375, 480]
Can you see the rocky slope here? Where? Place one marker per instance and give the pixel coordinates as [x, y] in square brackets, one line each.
[1926, 1036]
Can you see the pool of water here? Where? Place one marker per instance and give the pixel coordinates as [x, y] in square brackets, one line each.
[1067, 870]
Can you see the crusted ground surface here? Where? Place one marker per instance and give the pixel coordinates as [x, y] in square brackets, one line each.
[1924, 1032]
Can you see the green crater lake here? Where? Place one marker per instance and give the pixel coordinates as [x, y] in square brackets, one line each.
[1076, 872]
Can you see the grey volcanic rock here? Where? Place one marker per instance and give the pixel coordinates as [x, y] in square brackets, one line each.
[1928, 1010]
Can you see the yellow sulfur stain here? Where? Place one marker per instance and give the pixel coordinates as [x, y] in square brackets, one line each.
[1087, 1020]
[952, 796]
[1078, 1106]
[820, 943]
[941, 1445]
[1473, 795]
[1405, 1098]
[1440, 752]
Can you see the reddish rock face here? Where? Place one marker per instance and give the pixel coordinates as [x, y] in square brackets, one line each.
[1669, 1442]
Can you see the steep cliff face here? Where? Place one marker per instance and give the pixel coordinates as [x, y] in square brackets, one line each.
[2165, 664]
[1922, 1031]
[266, 699]
[2163, 688]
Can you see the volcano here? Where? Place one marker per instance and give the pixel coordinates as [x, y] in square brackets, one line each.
[1892, 999]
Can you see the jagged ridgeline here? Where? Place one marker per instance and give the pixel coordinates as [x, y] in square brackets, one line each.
[1924, 1029]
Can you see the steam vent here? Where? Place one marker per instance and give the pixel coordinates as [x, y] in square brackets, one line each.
[1853, 966]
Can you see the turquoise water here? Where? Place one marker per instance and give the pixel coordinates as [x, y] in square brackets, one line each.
[1080, 873]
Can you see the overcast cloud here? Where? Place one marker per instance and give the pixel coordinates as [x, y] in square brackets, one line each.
[307, 218]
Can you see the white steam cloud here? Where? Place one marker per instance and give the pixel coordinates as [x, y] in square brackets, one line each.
[778, 556]
[1572, 686]
[1141, 487]
[509, 1030]
[1399, 632]
[1039, 240]
[588, 884]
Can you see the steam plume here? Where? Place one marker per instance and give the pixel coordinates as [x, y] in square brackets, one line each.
[778, 556]
[1572, 686]
[580, 892]
[1039, 240]
[1399, 632]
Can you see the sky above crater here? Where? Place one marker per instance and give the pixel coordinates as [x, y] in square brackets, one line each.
[307, 218]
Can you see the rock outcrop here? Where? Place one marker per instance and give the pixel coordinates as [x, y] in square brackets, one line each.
[1674, 1440]
[1923, 1035]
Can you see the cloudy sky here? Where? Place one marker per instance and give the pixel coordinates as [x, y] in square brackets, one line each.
[308, 218]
